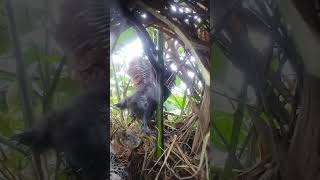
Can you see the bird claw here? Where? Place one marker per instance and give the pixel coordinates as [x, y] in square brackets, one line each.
[145, 129]
[153, 133]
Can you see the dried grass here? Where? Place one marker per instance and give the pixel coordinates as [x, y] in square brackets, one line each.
[136, 152]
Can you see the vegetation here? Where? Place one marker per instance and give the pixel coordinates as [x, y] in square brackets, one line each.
[244, 102]
[48, 84]
[180, 120]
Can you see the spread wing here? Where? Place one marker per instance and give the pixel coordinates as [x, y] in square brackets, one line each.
[141, 73]
[83, 25]
[83, 33]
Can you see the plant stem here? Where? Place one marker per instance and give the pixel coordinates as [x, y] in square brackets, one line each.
[159, 113]
[22, 80]
[47, 99]
[21, 74]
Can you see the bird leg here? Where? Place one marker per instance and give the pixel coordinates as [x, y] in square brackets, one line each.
[144, 127]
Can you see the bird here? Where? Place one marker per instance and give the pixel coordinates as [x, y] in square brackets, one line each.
[80, 130]
[143, 102]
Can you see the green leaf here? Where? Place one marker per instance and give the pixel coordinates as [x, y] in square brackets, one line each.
[176, 101]
[170, 105]
[52, 58]
[224, 123]
[113, 100]
[219, 62]
[32, 55]
[127, 36]
[180, 51]
[178, 81]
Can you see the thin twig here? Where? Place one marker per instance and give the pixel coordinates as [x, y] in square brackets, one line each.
[166, 158]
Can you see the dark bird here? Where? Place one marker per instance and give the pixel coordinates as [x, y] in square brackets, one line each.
[79, 130]
[142, 104]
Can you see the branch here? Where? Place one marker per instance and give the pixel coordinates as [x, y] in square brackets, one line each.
[148, 45]
[190, 45]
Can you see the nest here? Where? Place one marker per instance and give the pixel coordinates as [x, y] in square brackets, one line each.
[137, 152]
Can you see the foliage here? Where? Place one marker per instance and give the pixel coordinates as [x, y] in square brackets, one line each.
[218, 62]
[41, 67]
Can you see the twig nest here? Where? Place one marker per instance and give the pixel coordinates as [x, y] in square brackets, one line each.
[124, 143]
